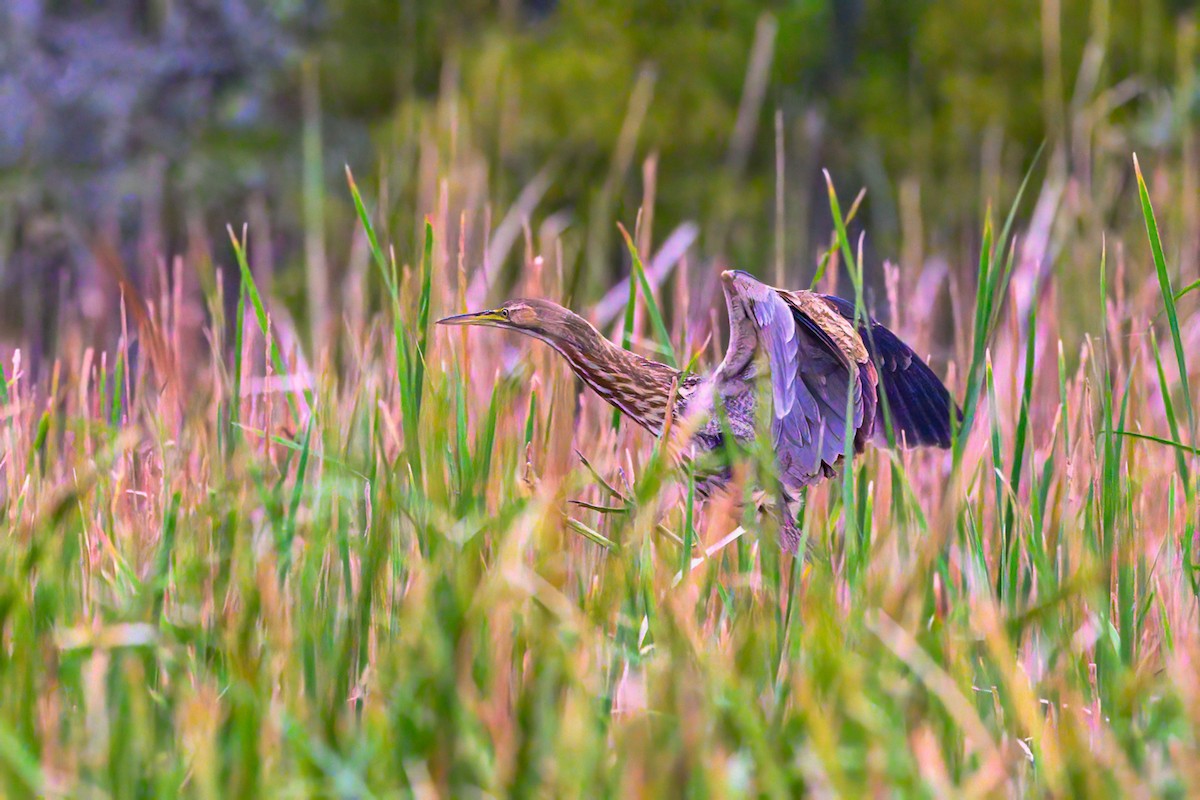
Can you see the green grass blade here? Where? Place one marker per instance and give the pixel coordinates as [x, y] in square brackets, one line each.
[656, 318]
[162, 562]
[995, 270]
[1148, 437]
[260, 315]
[592, 534]
[422, 333]
[20, 762]
[377, 254]
[1168, 296]
[235, 402]
[289, 527]
[1191, 287]
[1181, 464]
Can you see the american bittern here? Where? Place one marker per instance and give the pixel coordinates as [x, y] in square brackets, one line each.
[821, 367]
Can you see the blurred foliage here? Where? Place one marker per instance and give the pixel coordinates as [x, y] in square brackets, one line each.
[950, 97]
[878, 91]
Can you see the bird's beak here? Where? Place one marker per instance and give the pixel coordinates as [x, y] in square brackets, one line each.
[474, 318]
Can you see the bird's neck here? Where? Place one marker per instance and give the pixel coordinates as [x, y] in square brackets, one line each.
[636, 386]
[738, 365]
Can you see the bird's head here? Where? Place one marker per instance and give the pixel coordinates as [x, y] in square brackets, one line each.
[539, 318]
[739, 283]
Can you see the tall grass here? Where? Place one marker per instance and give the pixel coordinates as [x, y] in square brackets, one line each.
[226, 573]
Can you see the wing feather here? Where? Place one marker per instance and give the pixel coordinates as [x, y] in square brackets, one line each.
[819, 369]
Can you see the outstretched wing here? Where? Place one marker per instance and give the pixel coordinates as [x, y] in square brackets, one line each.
[919, 403]
[819, 372]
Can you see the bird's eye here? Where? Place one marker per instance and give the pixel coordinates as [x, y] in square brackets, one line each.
[504, 313]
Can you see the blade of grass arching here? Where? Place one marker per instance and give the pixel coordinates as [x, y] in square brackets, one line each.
[410, 360]
[1164, 284]
[1169, 299]
[853, 264]
[827, 256]
[377, 253]
[854, 267]
[1146, 437]
[992, 282]
[384, 266]
[608, 487]
[260, 315]
[656, 318]
[978, 335]
[3, 386]
[602, 509]
[1191, 287]
[822, 265]
[1000, 279]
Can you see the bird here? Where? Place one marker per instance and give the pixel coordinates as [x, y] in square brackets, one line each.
[831, 372]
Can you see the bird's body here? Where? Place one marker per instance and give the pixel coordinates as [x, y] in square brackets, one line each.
[828, 378]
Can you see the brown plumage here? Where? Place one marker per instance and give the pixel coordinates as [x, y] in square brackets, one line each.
[827, 378]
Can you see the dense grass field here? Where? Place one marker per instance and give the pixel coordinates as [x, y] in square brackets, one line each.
[388, 560]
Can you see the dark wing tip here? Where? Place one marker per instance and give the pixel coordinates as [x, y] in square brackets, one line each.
[922, 396]
[917, 401]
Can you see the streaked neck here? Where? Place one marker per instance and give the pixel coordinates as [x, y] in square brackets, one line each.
[636, 386]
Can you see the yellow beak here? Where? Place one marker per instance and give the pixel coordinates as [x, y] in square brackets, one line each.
[474, 318]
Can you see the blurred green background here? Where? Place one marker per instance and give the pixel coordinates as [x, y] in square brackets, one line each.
[137, 129]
